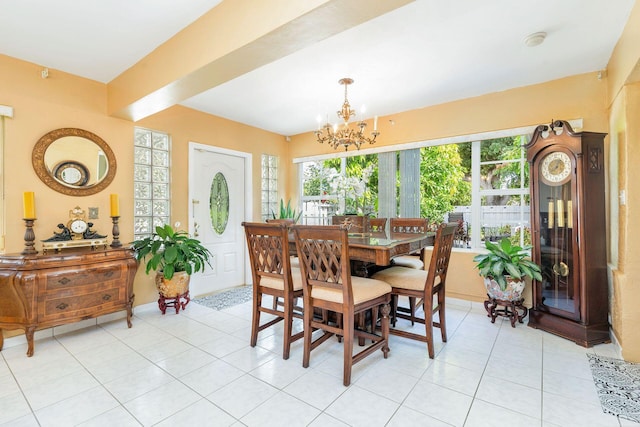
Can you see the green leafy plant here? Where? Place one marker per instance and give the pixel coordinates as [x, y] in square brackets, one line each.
[171, 251]
[287, 212]
[505, 259]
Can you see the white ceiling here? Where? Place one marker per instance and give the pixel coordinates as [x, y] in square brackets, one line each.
[426, 53]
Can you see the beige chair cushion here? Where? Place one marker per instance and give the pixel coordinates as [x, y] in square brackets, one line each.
[277, 283]
[408, 261]
[404, 278]
[363, 290]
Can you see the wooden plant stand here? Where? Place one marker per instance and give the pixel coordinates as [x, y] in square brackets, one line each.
[514, 310]
[177, 303]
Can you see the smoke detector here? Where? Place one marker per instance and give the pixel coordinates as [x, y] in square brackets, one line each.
[535, 39]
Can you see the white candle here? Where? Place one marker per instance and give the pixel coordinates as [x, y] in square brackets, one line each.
[375, 123]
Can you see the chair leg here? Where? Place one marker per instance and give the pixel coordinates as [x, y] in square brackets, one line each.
[306, 352]
[361, 325]
[394, 309]
[255, 324]
[412, 309]
[288, 325]
[441, 314]
[384, 324]
[428, 327]
[347, 331]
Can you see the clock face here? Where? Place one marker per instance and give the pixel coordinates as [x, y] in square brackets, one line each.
[556, 168]
[78, 226]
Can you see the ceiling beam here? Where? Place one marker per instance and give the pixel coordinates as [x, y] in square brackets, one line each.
[230, 40]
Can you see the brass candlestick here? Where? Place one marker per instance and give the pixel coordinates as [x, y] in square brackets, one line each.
[116, 233]
[29, 237]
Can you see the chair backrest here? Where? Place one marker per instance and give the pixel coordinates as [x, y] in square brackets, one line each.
[409, 225]
[268, 245]
[441, 254]
[353, 223]
[377, 224]
[323, 252]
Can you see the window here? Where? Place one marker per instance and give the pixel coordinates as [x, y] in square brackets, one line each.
[151, 181]
[503, 193]
[269, 186]
[339, 186]
[481, 180]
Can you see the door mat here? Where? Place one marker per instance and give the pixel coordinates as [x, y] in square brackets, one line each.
[227, 298]
[618, 385]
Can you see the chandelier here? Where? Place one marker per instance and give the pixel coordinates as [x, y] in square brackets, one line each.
[343, 135]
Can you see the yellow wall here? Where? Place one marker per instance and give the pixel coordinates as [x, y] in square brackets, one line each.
[625, 286]
[63, 100]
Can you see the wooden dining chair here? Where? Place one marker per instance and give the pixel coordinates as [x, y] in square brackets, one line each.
[415, 260]
[377, 225]
[268, 245]
[294, 259]
[329, 287]
[423, 285]
[409, 225]
[353, 223]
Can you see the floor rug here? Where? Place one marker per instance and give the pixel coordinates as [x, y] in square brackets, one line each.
[618, 385]
[226, 299]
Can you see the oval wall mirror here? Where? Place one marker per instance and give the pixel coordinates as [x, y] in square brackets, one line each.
[74, 161]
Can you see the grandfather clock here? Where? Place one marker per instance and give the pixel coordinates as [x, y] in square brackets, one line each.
[569, 233]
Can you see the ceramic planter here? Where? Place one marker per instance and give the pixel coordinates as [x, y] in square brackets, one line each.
[513, 292]
[174, 287]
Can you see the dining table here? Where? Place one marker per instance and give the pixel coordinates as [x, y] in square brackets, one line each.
[370, 252]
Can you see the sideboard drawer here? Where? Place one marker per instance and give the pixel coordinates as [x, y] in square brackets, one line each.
[61, 279]
[80, 306]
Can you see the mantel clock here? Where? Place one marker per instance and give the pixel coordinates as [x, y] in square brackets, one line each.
[569, 237]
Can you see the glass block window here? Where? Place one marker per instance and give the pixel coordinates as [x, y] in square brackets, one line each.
[151, 181]
[269, 186]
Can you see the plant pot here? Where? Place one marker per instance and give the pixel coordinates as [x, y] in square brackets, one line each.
[513, 292]
[173, 292]
[172, 288]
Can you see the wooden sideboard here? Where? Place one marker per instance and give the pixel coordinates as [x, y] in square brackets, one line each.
[45, 290]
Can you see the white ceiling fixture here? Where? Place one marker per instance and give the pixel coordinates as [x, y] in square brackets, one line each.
[535, 39]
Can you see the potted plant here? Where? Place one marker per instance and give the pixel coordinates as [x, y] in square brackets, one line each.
[286, 212]
[174, 256]
[504, 269]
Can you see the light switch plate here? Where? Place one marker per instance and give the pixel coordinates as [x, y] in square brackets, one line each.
[93, 213]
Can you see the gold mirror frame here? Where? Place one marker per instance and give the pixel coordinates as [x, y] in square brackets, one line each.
[46, 175]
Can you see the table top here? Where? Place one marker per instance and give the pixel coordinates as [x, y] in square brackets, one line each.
[380, 248]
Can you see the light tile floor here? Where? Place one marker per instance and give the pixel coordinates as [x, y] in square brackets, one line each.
[197, 369]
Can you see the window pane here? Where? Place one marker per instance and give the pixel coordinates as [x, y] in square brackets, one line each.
[142, 156]
[160, 174]
[142, 207]
[160, 141]
[500, 149]
[142, 138]
[502, 176]
[141, 173]
[141, 190]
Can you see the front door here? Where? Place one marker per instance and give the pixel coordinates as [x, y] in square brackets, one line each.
[217, 197]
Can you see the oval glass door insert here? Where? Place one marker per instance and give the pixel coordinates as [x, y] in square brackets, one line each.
[219, 203]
